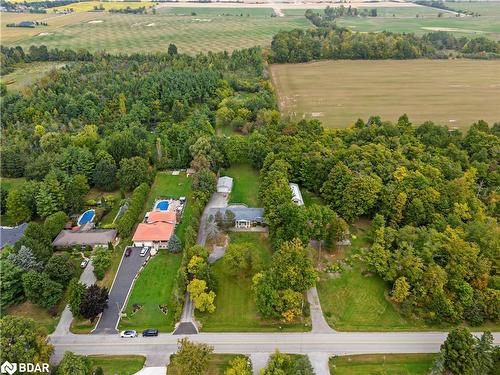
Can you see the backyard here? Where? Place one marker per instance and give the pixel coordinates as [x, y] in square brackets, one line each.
[235, 305]
[245, 185]
[387, 364]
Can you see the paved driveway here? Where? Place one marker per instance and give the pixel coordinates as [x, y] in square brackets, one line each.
[129, 267]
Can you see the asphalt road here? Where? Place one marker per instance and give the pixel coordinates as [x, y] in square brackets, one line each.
[339, 343]
[126, 274]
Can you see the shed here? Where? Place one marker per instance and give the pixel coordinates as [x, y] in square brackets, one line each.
[224, 185]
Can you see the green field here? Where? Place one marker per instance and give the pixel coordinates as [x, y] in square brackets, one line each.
[235, 305]
[449, 92]
[245, 185]
[387, 364]
[217, 364]
[85, 6]
[27, 74]
[484, 8]
[11, 183]
[119, 364]
[216, 11]
[147, 33]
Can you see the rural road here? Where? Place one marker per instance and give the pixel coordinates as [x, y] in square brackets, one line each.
[340, 343]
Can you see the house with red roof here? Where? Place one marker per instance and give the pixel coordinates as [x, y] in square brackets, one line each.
[156, 230]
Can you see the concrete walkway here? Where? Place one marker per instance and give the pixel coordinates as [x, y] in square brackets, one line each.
[259, 361]
[319, 324]
[87, 277]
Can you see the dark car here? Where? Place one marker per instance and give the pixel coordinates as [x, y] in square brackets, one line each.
[150, 332]
[128, 251]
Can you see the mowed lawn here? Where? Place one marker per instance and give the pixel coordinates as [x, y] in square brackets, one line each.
[117, 33]
[153, 288]
[448, 92]
[235, 304]
[245, 185]
[217, 364]
[118, 364]
[387, 364]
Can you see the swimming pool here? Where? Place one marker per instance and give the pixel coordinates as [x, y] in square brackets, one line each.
[86, 217]
[162, 205]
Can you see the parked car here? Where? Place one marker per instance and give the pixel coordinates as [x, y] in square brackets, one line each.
[128, 251]
[130, 333]
[144, 251]
[150, 332]
[84, 263]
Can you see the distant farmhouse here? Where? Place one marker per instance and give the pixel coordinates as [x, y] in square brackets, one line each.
[296, 195]
[10, 235]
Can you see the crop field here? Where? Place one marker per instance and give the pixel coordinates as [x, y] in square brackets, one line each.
[448, 92]
[86, 6]
[460, 26]
[148, 33]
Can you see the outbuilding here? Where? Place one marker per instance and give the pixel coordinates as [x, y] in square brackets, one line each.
[224, 185]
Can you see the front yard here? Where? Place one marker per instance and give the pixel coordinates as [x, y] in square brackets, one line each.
[153, 288]
[217, 364]
[118, 364]
[235, 305]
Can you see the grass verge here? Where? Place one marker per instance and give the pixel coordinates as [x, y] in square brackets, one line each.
[387, 364]
[118, 364]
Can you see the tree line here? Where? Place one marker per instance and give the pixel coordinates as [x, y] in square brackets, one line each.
[335, 43]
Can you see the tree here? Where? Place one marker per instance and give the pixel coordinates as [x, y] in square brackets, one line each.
[41, 290]
[23, 341]
[191, 358]
[55, 223]
[94, 302]
[400, 290]
[60, 268]
[174, 244]
[485, 354]
[104, 176]
[18, 210]
[11, 286]
[459, 352]
[73, 364]
[172, 49]
[203, 301]
[284, 364]
[205, 180]
[76, 293]
[101, 260]
[133, 172]
[212, 229]
[26, 260]
[239, 366]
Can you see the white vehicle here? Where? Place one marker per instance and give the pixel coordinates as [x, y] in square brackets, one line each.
[84, 263]
[144, 251]
[129, 334]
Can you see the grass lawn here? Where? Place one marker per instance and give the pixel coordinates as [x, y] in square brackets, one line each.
[39, 315]
[245, 185]
[387, 364]
[235, 305]
[217, 364]
[153, 288]
[433, 91]
[11, 183]
[118, 364]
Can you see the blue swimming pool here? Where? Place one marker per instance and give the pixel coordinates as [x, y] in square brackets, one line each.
[86, 217]
[162, 206]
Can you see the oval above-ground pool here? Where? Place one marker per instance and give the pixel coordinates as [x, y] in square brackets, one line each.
[162, 205]
[86, 217]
